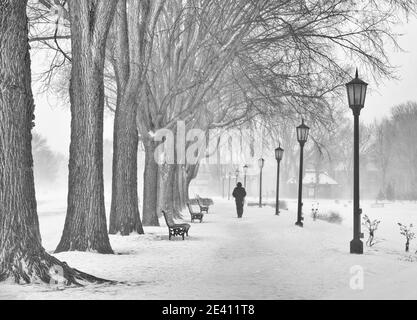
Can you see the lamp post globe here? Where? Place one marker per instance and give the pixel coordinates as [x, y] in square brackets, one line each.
[261, 163]
[356, 93]
[302, 133]
[302, 136]
[279, 152]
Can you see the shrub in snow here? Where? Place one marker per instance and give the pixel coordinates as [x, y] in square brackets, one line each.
[331, 217]
[315, 210]
[408, 258]
[334, 217]
[407, 232]
[371, 226]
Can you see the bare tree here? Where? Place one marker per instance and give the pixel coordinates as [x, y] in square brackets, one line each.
[403, 173]
[407, 232]
[381, 151]
[46, 162]
[394, 152]
[371, 226]
[22, 257]
[85, 225]
[130, 30]
[133, 32]
[49, 35]
[285, 53]
[289, 60]
[196, 42]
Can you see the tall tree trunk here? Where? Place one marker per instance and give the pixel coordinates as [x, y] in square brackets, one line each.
[150, 186]
[191, 173]
[124, 213]
[177, 204]
[165, 192]
[167, 186]
[131, 32]
[181, 187]
[22, 257]
[187, 190]
[85, 225]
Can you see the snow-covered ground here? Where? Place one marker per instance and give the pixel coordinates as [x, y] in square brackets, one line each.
[261, 256]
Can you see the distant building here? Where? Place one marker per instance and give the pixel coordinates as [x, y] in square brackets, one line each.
[315, 184]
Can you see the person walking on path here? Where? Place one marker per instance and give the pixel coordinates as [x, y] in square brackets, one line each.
[239, 193]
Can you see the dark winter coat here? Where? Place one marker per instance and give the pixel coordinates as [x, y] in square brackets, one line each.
[239, 193]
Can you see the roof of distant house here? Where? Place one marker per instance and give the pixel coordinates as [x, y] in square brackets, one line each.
[311, 176]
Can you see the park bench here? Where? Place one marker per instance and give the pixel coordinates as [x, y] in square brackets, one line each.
[195, 215]
[175, 229]
[203, 208]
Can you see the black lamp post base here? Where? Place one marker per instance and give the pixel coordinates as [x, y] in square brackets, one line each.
[299, 223]
[356, 246]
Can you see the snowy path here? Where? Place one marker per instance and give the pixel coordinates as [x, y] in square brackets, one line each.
[261, 256]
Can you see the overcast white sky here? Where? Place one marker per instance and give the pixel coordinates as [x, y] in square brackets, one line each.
[388, 94]
[53, 119]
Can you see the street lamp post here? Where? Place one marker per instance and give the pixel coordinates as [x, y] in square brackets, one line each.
[279, 152]
[237, 175]
[302, 135]
[261, 163]
[356, 91]
[230, 178]
[245, 172]
[223, 195]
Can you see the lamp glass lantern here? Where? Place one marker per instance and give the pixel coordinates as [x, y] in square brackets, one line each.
[356, 92]
[245, 169]
[279, 152]
[261, 163]
[302, 132]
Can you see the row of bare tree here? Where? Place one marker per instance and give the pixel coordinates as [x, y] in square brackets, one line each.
[211, 63]
[394, 152]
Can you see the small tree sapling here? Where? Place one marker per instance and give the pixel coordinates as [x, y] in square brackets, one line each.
[315, 211]
[407, 232]
[371, 226]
